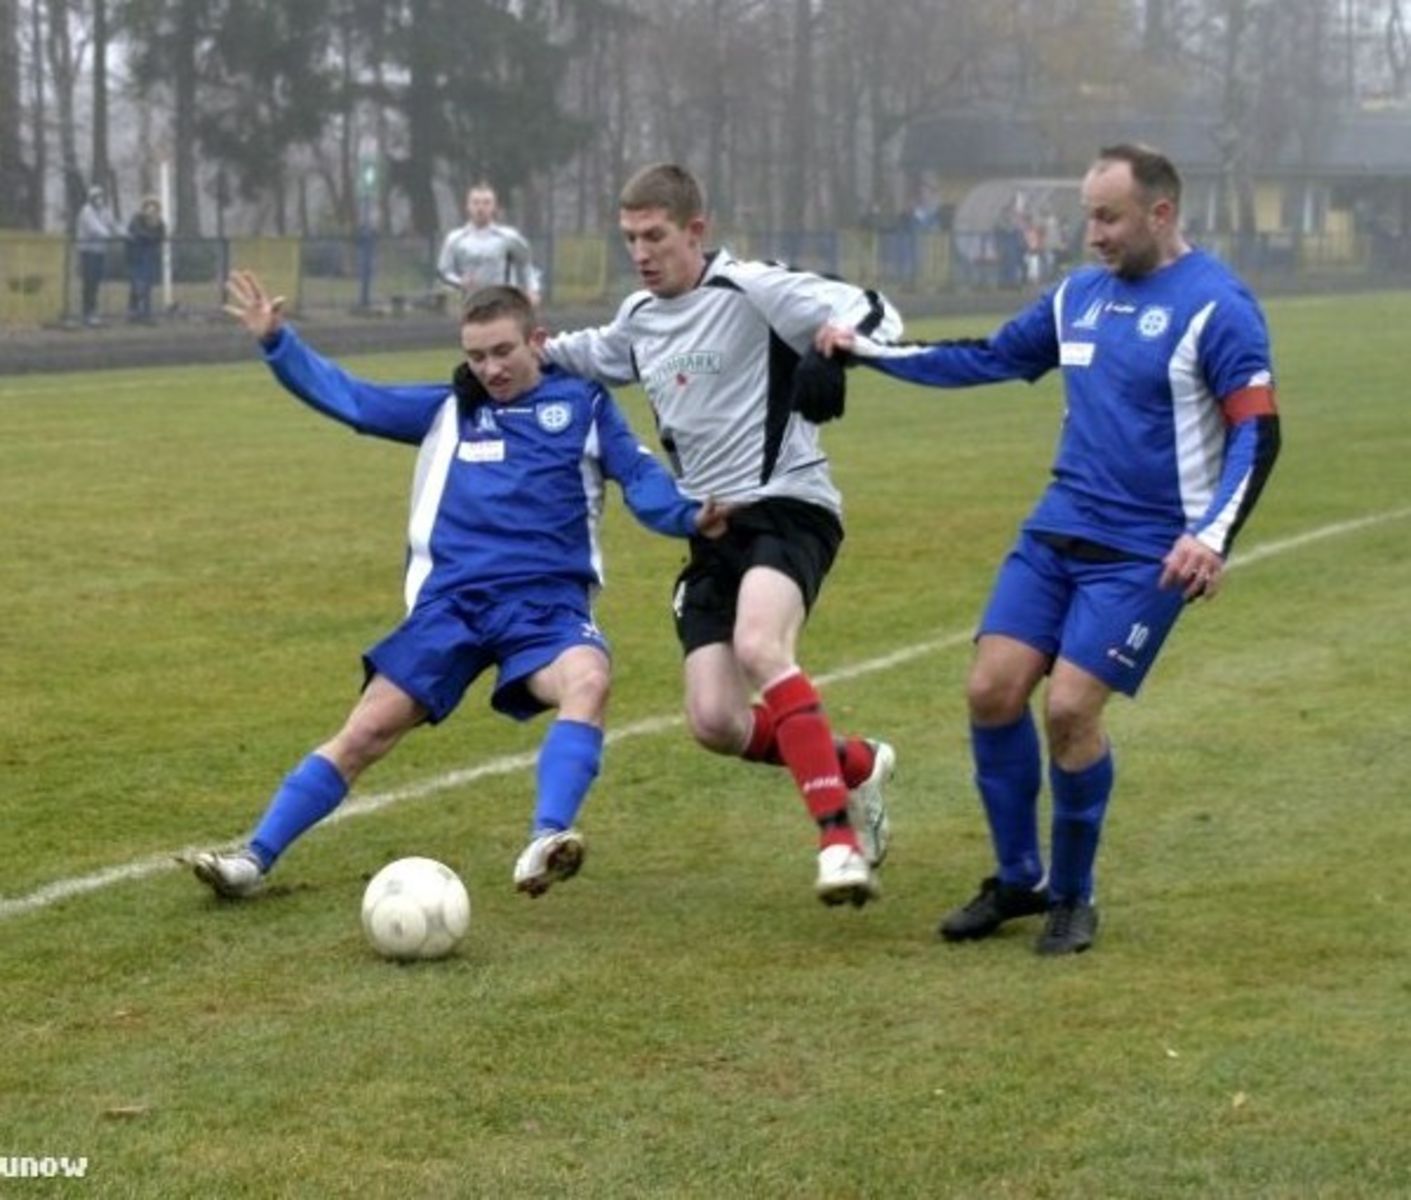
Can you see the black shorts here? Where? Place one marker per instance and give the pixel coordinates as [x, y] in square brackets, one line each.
[799, 540]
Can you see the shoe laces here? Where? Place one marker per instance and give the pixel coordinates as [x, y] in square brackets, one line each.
[1061, 918]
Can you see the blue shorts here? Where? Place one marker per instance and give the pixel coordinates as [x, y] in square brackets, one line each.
[444, 645]
[1109, 618]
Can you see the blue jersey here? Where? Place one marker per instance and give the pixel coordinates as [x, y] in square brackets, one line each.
[1157, 440]
[505, 495]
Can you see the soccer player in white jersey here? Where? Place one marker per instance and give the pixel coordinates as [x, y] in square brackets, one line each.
[716, 342]
[503, 563]
[482, 253]
[1169, 435]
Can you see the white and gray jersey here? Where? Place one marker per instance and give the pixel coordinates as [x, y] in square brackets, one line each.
[472, 257]
[717, 364]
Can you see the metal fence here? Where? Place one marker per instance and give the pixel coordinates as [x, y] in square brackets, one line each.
[40, 285]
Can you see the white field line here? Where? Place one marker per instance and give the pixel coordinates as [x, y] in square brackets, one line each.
[141, 868]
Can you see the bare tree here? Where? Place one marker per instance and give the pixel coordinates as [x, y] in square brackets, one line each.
[1398, 49]
[65, 53]
[37, 122]
[13, 200]
[102, 169]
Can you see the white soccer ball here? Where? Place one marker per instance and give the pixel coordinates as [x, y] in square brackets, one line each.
[415, 908]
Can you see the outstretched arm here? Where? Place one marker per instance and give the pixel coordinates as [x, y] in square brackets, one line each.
[401, 412]
[1024, 348]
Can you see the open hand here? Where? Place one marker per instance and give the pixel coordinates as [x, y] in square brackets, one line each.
[252, 306]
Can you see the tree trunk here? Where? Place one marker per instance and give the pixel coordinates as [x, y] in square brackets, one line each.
[102, 170]
[13, 199]
[346, 201]
[38, 194]
[63, 72]
[188, 211]
[798, 174]
[420, 110]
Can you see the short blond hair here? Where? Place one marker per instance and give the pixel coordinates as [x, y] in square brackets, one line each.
[665, 186]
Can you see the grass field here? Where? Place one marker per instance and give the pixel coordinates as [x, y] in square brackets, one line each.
[192, 563]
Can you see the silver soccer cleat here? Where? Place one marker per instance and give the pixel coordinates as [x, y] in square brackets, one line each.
[550, 857]
[233, 876]
[867, 805]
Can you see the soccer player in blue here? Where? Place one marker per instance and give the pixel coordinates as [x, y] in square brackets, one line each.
[1169, 435]
[502, 565]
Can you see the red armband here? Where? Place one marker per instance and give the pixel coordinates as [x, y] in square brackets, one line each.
[1249, 402]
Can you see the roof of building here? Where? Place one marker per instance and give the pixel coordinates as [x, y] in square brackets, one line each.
[1349, 145]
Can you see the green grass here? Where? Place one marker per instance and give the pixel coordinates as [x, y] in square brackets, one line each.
[192, 564]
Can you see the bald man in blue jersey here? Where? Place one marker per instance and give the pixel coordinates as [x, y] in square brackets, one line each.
[1169, 435]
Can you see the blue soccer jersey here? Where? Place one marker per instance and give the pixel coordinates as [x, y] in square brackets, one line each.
[1168, 388]
[504, 495]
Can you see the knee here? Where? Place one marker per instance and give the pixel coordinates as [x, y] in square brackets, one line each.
[762, 655]
[995, 697]
[364, 740]
[716, 726]
[1073, 729]
[586, 691]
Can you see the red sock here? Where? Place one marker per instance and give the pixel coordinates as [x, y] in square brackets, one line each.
[855, 755]
[762, 746]
[857, 758]
[806, 745]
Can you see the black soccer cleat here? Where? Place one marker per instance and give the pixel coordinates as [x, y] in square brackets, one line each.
[1070, 928]
[997, 903]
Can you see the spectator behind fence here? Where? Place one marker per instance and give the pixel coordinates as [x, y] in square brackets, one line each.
[145, 234]
[95, 229]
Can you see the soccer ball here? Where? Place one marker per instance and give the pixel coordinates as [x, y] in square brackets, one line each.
[415, 908]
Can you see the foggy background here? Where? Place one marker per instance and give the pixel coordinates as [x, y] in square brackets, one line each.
[309, 117]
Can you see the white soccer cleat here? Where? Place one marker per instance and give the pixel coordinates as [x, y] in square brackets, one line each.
[233, 876]
[867, 805]
[845, 877]
[550, 857]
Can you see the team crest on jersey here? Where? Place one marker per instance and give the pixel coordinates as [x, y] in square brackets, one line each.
[1153, 321]
[553, 417]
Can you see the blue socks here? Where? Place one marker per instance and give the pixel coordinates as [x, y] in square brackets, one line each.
[309, 793]
[1008, 771]
[568, 763]
[1079, 802]
[569, 760]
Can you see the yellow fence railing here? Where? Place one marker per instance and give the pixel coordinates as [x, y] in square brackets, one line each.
[32, 270]
[579, 270]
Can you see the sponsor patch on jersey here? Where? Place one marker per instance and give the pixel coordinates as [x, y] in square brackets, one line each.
[1076, 354]
[679, 368]
[553, 417]
[483, 451]
[1153, 321]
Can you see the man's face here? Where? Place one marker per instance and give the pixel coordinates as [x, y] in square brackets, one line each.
[668, 258]
[1124, 229]
[480, 207]
[500, 355]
